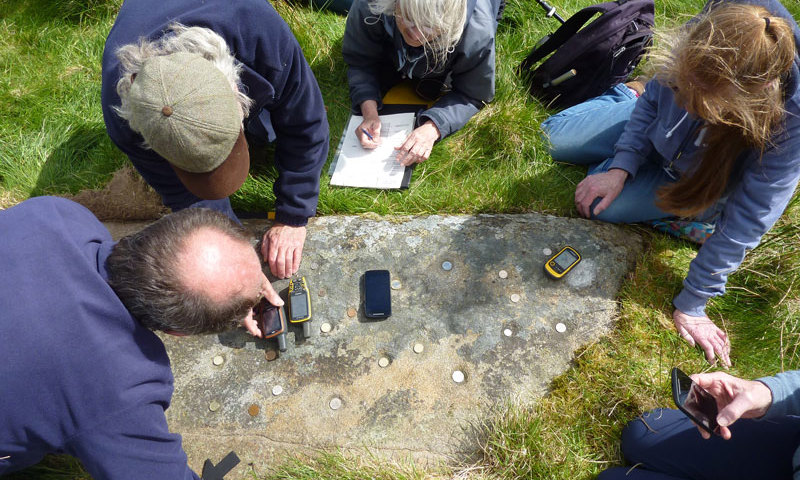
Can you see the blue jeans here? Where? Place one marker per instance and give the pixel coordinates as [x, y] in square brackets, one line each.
[585, 134]
[665, 445]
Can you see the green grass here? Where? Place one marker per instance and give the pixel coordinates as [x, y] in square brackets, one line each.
[52, 141]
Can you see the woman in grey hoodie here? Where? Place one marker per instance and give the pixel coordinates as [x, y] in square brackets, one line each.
[715, 137]
[444, 47]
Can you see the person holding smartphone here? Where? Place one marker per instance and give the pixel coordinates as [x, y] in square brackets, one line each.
[758, 436]
[83, 372]
[714, 139]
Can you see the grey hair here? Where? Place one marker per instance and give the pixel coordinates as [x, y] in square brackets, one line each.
[179, 38]
[143, 270]
[448, 17]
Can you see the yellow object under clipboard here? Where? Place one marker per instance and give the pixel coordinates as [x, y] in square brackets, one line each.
[403, 94]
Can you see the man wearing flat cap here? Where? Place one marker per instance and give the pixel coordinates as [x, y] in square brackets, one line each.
[187, 84]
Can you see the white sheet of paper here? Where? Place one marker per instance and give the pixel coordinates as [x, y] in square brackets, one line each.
[378, 168]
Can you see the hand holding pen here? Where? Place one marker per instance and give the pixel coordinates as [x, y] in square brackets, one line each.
[369, 132]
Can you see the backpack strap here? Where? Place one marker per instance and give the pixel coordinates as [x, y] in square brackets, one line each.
[566, 31]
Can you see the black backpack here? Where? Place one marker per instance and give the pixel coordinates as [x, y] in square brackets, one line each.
[589, 60]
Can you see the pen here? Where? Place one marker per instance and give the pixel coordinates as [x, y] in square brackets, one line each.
[367, 134]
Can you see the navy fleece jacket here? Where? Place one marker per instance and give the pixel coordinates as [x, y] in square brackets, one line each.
[660, 130]
[275, 75]
[79, 375]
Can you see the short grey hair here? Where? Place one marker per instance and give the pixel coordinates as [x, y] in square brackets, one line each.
[179, 38]
[448, 17]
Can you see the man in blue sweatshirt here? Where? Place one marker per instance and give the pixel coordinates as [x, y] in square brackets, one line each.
[665, 445]
[82, 371]
[185, 84]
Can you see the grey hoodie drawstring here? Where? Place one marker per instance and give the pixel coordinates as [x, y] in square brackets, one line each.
[672, 130]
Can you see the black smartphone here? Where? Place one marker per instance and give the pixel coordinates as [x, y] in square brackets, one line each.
[271, 319]
[377, 294]
[694, 401]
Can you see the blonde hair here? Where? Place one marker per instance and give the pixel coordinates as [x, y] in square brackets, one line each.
[179, 38]
[726, 66]
[446, 17]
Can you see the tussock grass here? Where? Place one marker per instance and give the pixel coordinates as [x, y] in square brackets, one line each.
[52, 141]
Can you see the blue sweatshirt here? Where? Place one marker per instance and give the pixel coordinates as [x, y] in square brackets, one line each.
[79, 375]
[371, 40]
[275, 75]
[659, 130]
[785, 389]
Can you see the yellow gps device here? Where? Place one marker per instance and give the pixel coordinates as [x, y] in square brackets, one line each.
[562, 262]
[300, 304]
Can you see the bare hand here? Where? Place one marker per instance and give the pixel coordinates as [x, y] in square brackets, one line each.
[736, 398]
[250, 322]
[282, 248]
[606, 185]
[703, 332]
[371, 125]
[417, 147]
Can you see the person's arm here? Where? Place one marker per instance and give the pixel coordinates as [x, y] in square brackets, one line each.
[280, 81]
[753, 207]
[132, 444]
[633, 147]
[301, 127]
[785, 389]
[473, 80]
[630, 152]
[363, 52]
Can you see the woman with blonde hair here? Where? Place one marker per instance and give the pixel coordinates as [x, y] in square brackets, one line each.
[714, 137]
[444, 47]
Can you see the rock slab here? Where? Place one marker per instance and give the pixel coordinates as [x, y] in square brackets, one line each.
[475, 323]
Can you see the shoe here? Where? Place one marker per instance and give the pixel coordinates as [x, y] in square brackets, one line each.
[694, 231]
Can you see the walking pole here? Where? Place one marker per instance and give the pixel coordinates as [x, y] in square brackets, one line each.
[551, 10]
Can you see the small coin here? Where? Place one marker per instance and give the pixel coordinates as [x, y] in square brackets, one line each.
[214, 406]
[351, 312]
[396, 284]
[547, 252]
[335, 403]
[270, 355]
[458, 376]
[418, 348]
[508, 332]
[253, 410]
[313, 266]
[447, 266]
[219, 360]
[561, 328]
[277, 390]
[383, 362]
[515, 297]
[325, 327]
[502, 274]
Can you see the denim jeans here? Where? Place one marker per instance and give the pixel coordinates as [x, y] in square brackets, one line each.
[585, 134]
[665, 445]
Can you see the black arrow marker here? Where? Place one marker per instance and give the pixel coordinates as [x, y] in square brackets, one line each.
[211, 472]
